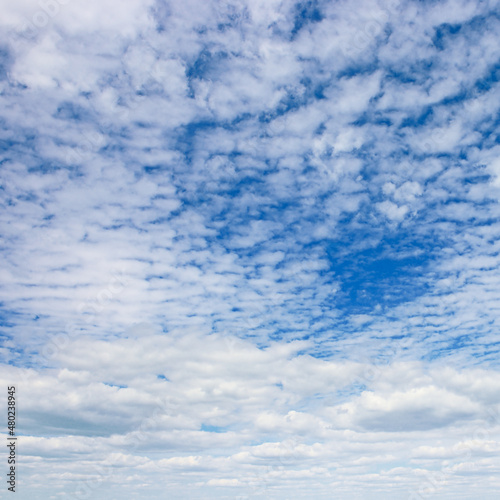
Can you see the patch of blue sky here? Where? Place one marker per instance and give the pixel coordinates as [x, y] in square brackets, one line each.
[186, 138]
[295, 99]
[72, 111]
[8, 317]
[119, 386]
[305, 13]
[369, 284]
[444, 34]
[213, 428]
[206, 65]
[358, 67]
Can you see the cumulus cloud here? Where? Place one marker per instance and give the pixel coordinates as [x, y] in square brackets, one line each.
[223, 412]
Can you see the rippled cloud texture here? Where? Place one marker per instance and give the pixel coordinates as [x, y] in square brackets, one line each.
[250, 248]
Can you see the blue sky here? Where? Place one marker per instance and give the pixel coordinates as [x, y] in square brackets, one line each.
[250, 249]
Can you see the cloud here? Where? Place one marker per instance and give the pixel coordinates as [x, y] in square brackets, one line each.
[252, 244]
[255, 418]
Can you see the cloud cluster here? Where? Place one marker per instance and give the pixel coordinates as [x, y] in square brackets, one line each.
[301, 201]
[214, 412]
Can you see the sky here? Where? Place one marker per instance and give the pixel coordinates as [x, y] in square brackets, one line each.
[251, 248]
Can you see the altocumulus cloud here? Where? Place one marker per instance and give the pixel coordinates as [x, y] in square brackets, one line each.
[250, 249]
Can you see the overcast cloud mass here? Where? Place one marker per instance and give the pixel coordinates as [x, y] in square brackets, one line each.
[251, 248]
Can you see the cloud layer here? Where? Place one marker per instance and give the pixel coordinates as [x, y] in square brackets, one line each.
[211, 417]
[252, 248]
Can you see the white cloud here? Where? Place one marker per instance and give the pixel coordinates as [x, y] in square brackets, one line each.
[232, 237]
[392, 210]
[277, 414]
